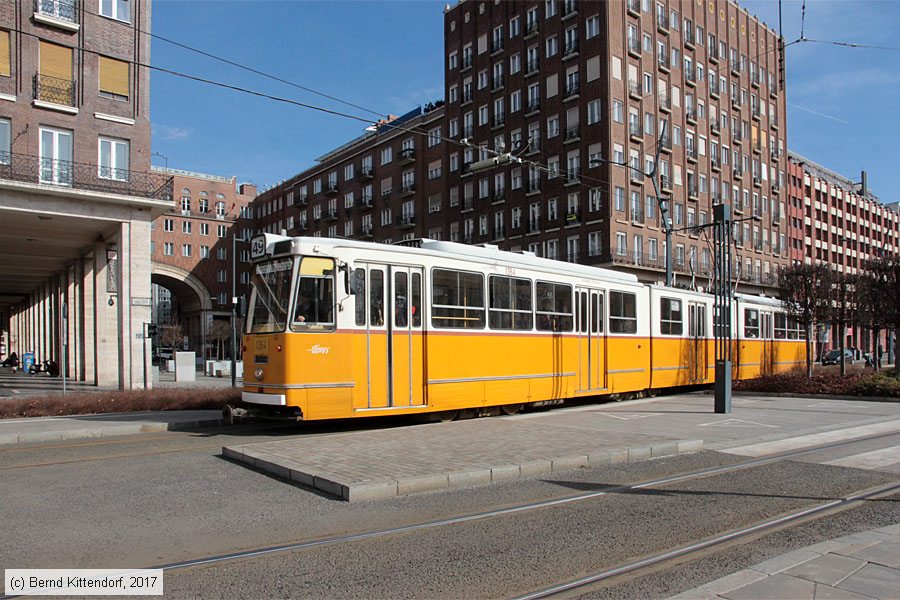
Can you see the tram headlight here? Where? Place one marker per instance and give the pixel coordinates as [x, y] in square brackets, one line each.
[258, 373]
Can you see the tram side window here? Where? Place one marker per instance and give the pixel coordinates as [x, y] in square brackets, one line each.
[376, 297]
[794, 329]
[671, 321]
[416, 300]
[458, 299]
[751, 323]
[359, 284]
[781, 326]
[510, 303]
[622, 312]
[401, 293]
[597, 313]
[314, 307]
[554, 310]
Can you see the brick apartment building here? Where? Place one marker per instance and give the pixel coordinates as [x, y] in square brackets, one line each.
[568, 85]
[386, 185]
[76, 193]
[191, 249]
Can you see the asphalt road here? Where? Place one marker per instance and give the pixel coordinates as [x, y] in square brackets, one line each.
[161, 498]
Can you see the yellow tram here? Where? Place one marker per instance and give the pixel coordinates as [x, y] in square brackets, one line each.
[342, 328]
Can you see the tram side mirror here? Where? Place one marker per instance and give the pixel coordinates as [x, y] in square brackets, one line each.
[349, 281]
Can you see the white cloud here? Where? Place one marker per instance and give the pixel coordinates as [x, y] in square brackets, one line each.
[167, 132]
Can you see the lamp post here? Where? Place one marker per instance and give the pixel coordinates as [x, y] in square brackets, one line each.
[234, 304]
[724, 295]
[662, 204]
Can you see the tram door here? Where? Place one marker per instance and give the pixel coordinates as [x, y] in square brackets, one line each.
[591, 339]
[699, 347]
[394, 337]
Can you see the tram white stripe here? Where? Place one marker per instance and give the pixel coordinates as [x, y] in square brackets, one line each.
[869, 460]
[815, 439]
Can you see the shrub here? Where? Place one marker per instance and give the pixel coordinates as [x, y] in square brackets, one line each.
[86, 403]
[858, 383]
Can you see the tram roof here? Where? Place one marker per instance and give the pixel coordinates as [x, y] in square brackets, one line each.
[485, 254]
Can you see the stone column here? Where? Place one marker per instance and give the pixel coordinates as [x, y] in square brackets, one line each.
[86, 312]
[106, 321]
[134, 299]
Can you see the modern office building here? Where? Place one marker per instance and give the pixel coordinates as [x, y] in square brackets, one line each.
[191, 251]
[77, 195]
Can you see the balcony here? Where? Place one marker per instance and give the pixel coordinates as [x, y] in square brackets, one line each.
[497, 45]
[573, 217]
[714, 90]
[406, 221]
[634, 47]
[634, 89]
[533, 186]
[756, 113]
[533, 106]
[83, 176]
[736, 68]
[573, 176]
[636, 175]
[468, 204]
[665, 183]
[690, 78]
[331, 214]
[637, 215]
[534, 225]
[466, 62]
[572, 89]
[773, 90]
[715, 164]
[534, 147]
[691, 115]
[499, 120]
[737, 137]
[406, 190]
[570, 9]
[735, 103]
[59, 13]
[331, 188]
[365, 173]
[499, 233]
[367, 232]
[531, 29]
[757, 181]
[303, 201]
[497, 83]
[689, 38]
[663, 61]
[714, 127]
[532, 66]
[365, 202]
[713, 54]
[406, 156]
[468, 131]
[572, 132]
[571, 49]
[662, 23]
[348, 211]
[53, 90]
[466, 97]
[692, 191]
[634, 7]
[499, 197]
[665, 102]
[755, 79]
[737, 172]
[666, 144]
[635, 131]
[773, 121]
[691, 154]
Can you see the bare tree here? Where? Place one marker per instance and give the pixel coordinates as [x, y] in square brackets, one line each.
[171, 335]
[842, 309]
[219, 332]
[804, 292]
[885, 273]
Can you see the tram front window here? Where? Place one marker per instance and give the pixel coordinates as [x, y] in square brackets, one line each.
[314, 305]
[271, 294]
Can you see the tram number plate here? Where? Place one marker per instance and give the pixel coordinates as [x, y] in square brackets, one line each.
[262, 345]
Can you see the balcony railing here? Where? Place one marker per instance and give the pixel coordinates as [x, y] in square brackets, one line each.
[572, 132]
[634, 45]
[54, 90]
[497, 45]
[534, 104]
[571, 48]
[572, 89]
[64, 10]
[43, 171]
[532, 66]
[634, 6]
[498, 82]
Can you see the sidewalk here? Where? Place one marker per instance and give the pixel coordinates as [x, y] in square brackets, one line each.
[46, 429]
[858, 566]
[23, 385]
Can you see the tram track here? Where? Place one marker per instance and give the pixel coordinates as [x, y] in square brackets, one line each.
[375, 534]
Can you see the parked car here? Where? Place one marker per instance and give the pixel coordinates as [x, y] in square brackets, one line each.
[833, 357]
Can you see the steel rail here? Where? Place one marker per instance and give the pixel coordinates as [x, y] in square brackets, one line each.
[510, 510]
[708, 543]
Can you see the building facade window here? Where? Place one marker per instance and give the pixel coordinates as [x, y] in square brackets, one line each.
[116, 9]
[113, 161]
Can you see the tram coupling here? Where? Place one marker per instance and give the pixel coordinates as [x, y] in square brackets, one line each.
[233, 415]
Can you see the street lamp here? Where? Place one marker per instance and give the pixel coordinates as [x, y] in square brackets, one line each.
[662, 204]
[721, 225]
[234, 303]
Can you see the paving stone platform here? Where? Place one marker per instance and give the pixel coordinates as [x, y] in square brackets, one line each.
[379, 464]
[862, 565]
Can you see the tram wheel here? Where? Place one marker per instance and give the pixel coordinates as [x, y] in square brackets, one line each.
[444, 416]
[652, 393]
[510, 409]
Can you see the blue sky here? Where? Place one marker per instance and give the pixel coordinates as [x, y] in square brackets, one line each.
[387, 57]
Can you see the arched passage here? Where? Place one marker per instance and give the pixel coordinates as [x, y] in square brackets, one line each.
[191, 299]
